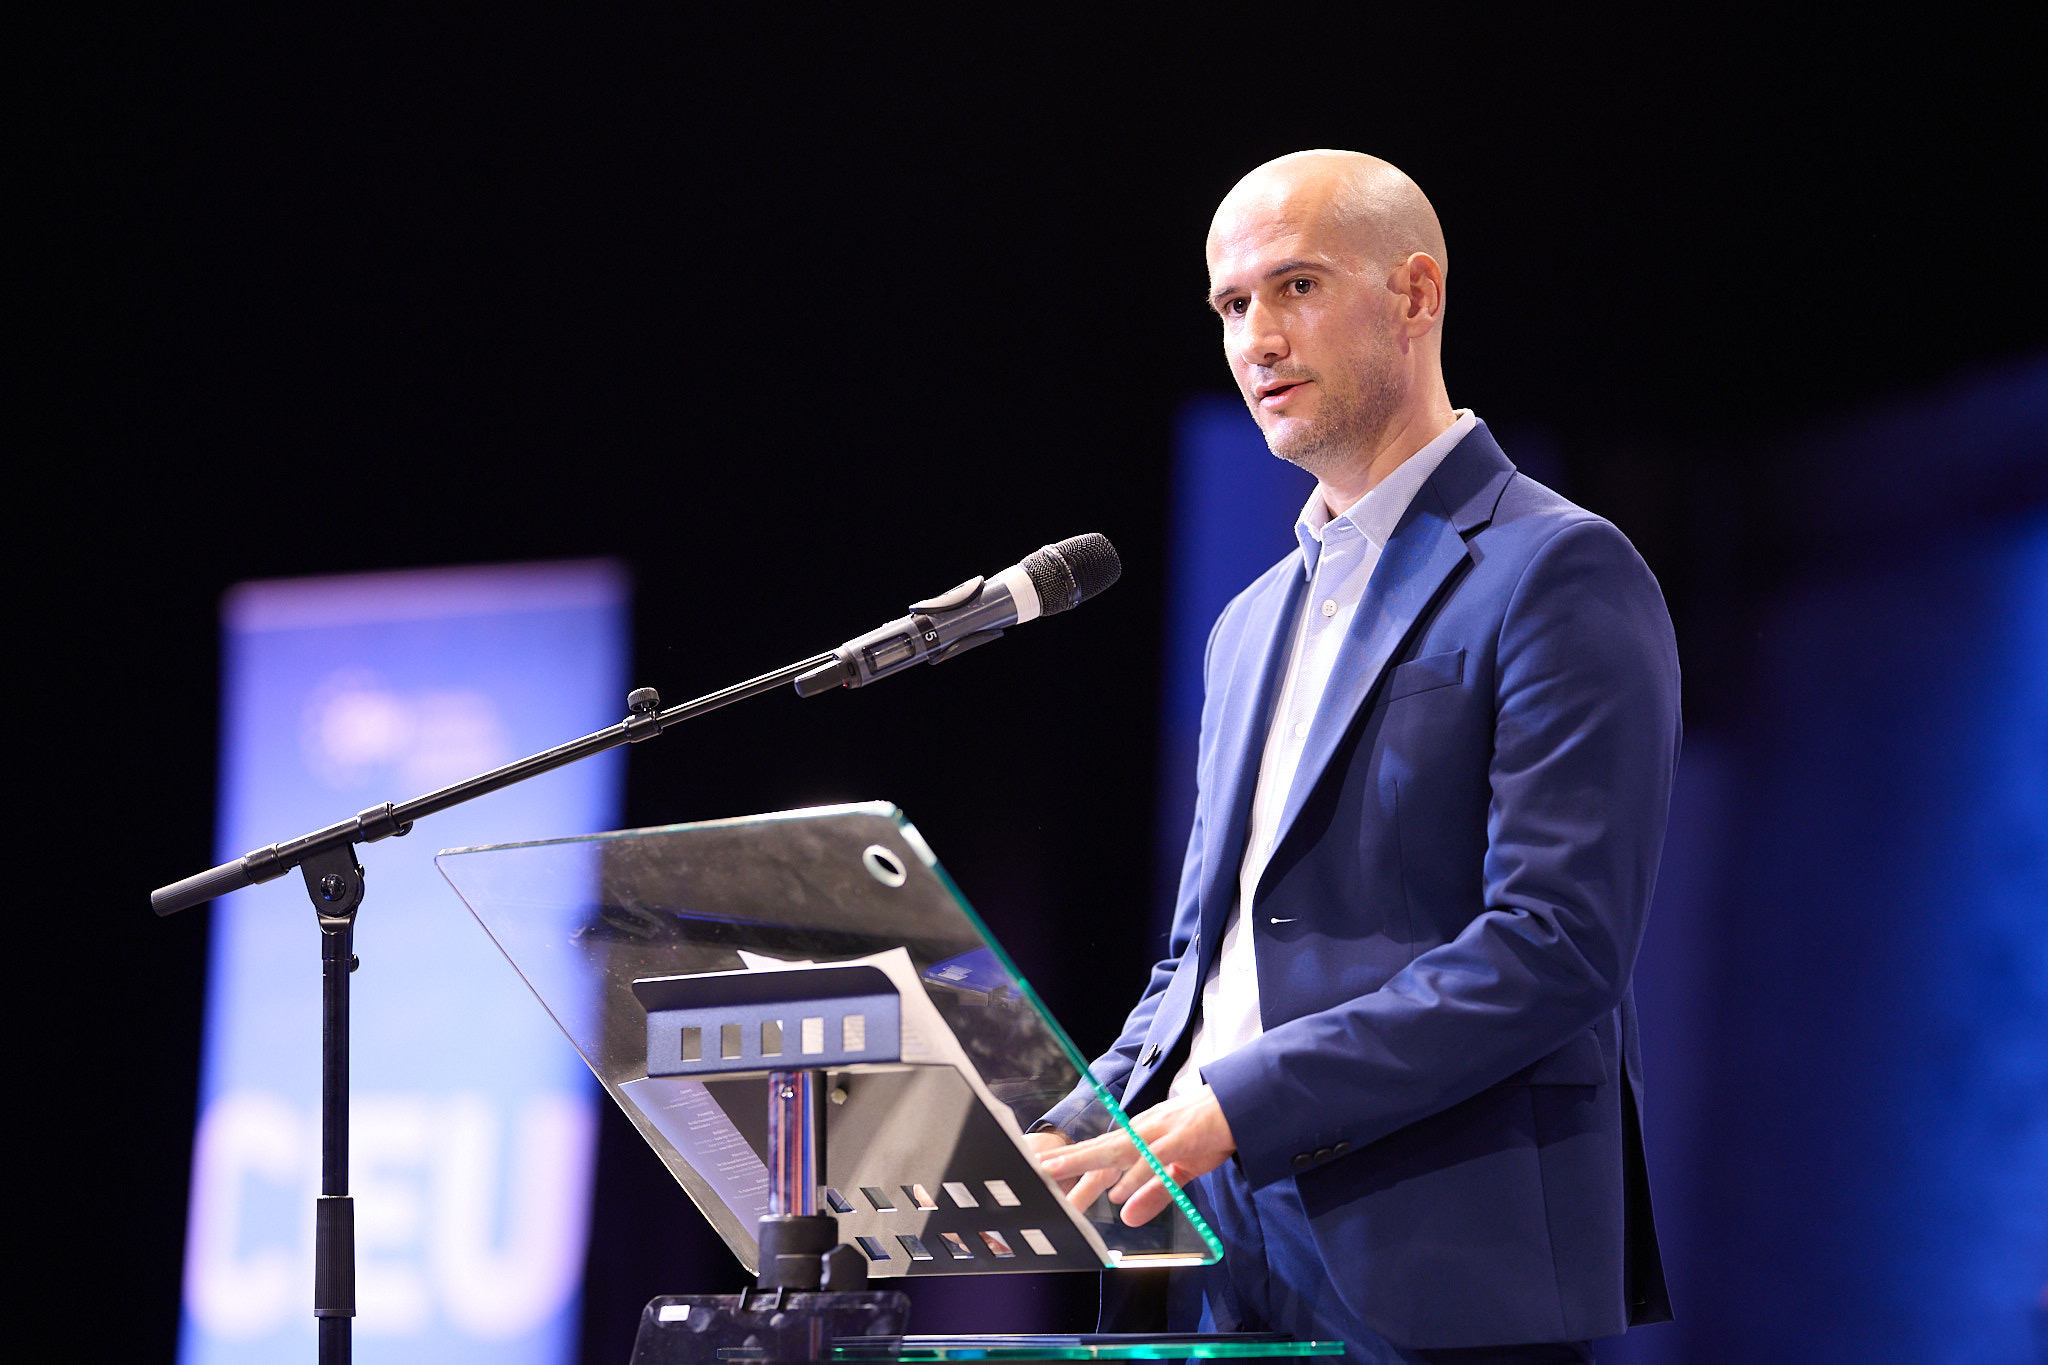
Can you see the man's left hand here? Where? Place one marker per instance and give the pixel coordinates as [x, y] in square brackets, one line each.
[1189, 1135]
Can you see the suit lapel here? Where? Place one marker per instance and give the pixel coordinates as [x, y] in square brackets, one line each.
[1251, 676]
[1427, 547]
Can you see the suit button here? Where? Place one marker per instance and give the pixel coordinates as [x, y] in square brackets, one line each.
[1302, 1161]
[1322, 1154]
[1151, 1055]
[1341, 1148]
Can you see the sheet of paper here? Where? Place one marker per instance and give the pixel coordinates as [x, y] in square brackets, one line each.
[694, 1124]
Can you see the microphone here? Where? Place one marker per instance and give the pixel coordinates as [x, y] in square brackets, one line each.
[1046, 583]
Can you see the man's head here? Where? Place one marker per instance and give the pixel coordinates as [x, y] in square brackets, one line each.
[1327, 269]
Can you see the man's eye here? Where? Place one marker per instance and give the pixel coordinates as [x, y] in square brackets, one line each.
[1235, 308]
[1300, 286]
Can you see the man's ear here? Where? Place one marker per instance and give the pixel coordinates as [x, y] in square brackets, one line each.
[1420, 280]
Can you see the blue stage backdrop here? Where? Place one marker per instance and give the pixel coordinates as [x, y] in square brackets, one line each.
[1233, 513]
[1868, 1173]
[1844, 989]
[473, 1121]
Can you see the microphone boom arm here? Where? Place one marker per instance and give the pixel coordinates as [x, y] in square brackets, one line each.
[388, 820]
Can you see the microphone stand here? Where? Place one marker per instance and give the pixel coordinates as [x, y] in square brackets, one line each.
[334, 881]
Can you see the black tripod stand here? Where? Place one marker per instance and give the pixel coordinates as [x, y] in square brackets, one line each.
[334, 882]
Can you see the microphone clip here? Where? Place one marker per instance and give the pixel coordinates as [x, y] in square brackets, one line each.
[951, 599]
[936, 629]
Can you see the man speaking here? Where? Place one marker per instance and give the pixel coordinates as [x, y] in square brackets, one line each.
[1392, 1050]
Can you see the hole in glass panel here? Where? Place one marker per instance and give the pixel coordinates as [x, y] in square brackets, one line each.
[1037, 1241]
[771, 1037]
[814, 1035]
[837, 1201]
[1000, 1191]
[920, 1197]
[693, 1045]
[728, 1040]
[956, 1246]
[884, 866]
[997, 1246]
[913, 1248]
[962, 1196]
[878, 1198]
[873, 1247]
[853, 1033]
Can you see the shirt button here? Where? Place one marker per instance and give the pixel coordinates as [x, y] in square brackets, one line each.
[1329, 606]
[1301, 729]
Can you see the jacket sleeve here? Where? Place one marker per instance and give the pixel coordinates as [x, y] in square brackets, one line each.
[1585, 744]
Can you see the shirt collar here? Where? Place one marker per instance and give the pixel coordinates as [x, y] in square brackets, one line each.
[1377, 513]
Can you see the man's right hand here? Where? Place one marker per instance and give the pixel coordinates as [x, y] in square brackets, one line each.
[1188, 1137]
[1049, 1140]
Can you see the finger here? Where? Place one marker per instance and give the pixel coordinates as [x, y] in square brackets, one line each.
[1089, 1187]
[1074, 1154]
[1038, 1144]
[1108, 1150]
[1149, 1200]
[1128, 1182]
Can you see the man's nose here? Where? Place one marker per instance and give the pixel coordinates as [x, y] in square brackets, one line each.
[1263, 340]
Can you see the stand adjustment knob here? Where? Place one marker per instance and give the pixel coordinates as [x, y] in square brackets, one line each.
[645, 722]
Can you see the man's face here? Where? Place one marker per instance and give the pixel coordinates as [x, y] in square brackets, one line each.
[1308, 328]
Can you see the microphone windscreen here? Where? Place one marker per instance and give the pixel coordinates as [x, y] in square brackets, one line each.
[1069, 573]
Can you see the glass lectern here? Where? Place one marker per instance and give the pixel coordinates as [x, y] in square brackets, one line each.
[687, 963]
[817, 972]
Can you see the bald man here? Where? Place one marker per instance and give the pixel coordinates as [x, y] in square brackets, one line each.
[1392, 1050]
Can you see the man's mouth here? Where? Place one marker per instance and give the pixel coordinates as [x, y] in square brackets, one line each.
[1274, 393]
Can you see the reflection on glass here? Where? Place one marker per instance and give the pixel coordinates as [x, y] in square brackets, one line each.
[975, 1062]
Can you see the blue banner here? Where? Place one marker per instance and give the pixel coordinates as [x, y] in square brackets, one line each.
[473, 1122]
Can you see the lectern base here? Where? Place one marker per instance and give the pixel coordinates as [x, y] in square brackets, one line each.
[768, 1326]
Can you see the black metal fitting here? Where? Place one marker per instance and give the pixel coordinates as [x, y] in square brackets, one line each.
[644, 723]
[846, 1270]
[381, 822]
[335, 881]
[793, 1248]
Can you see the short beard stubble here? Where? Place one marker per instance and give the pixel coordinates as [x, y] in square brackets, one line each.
[1350, 429]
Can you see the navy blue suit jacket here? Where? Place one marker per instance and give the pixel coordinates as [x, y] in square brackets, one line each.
[1447, 926]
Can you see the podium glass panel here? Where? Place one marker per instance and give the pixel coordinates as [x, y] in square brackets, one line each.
[925, 1105]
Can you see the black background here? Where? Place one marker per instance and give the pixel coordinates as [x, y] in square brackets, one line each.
[804, 316]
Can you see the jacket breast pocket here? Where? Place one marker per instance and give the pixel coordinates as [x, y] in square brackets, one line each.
[1424, 674]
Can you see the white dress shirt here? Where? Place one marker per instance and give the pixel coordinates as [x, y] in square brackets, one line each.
[1338, 554]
